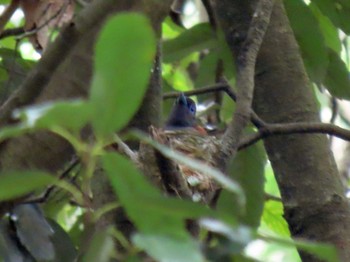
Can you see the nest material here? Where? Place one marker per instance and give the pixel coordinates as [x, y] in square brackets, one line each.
[196, 146]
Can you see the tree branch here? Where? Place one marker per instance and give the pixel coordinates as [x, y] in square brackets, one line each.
[8, 12]
[12, 32]
[57, 52]
[295, 128]
[266, 130]
[245, 62]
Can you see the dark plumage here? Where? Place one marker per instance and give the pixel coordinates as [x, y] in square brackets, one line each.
[183, 113]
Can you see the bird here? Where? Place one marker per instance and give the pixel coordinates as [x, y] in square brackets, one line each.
[183, 115]
[182, 133]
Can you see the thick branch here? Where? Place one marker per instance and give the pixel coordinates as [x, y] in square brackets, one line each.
[8, 12]
[245, 62]
[315, 206]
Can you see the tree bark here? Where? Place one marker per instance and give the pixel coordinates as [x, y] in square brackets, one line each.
[314, 202]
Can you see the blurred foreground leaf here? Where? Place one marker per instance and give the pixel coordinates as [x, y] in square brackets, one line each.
[124, 56]
[16, 184]
[160, 220]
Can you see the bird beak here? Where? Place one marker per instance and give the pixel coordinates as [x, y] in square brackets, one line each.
[182, 99]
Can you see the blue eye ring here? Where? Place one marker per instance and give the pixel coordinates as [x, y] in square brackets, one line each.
[193, 108]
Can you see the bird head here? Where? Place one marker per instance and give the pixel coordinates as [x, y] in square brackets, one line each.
[183, 113]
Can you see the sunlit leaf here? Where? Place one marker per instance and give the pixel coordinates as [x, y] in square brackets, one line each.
[170, 29]
[271, 186]
[124, 55]
[273, 219]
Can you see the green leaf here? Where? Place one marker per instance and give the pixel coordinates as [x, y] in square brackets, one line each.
[337, 11]
[13, 131]
[134, 186]
[227, 109]
[16, 184]
[322, 251]
[125, 51]
[248, 170]
[101, 247]
[72, 115]
[197, 38]
[271, 186]
[207, 69]
[170, 29]
[163, 225]
[310, 39]
[329, 31]
[273, 219]
[169, 249]
[226, 56]
[337, 80]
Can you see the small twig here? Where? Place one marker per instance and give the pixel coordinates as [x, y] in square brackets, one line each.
[50, 189]
[335, 110]
[45, 23]
[225, 87]
[272, 198]
[82, 3]
[125, 149]
[198, 91]
[12, 32]
[295, 128]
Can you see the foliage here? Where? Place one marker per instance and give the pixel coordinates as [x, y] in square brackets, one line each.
[119, 83]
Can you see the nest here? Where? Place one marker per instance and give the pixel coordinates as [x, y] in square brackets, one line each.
[196, 146]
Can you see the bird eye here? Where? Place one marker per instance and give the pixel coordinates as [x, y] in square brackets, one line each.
[193, 108]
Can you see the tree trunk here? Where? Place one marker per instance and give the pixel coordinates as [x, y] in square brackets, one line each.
[313, 197]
